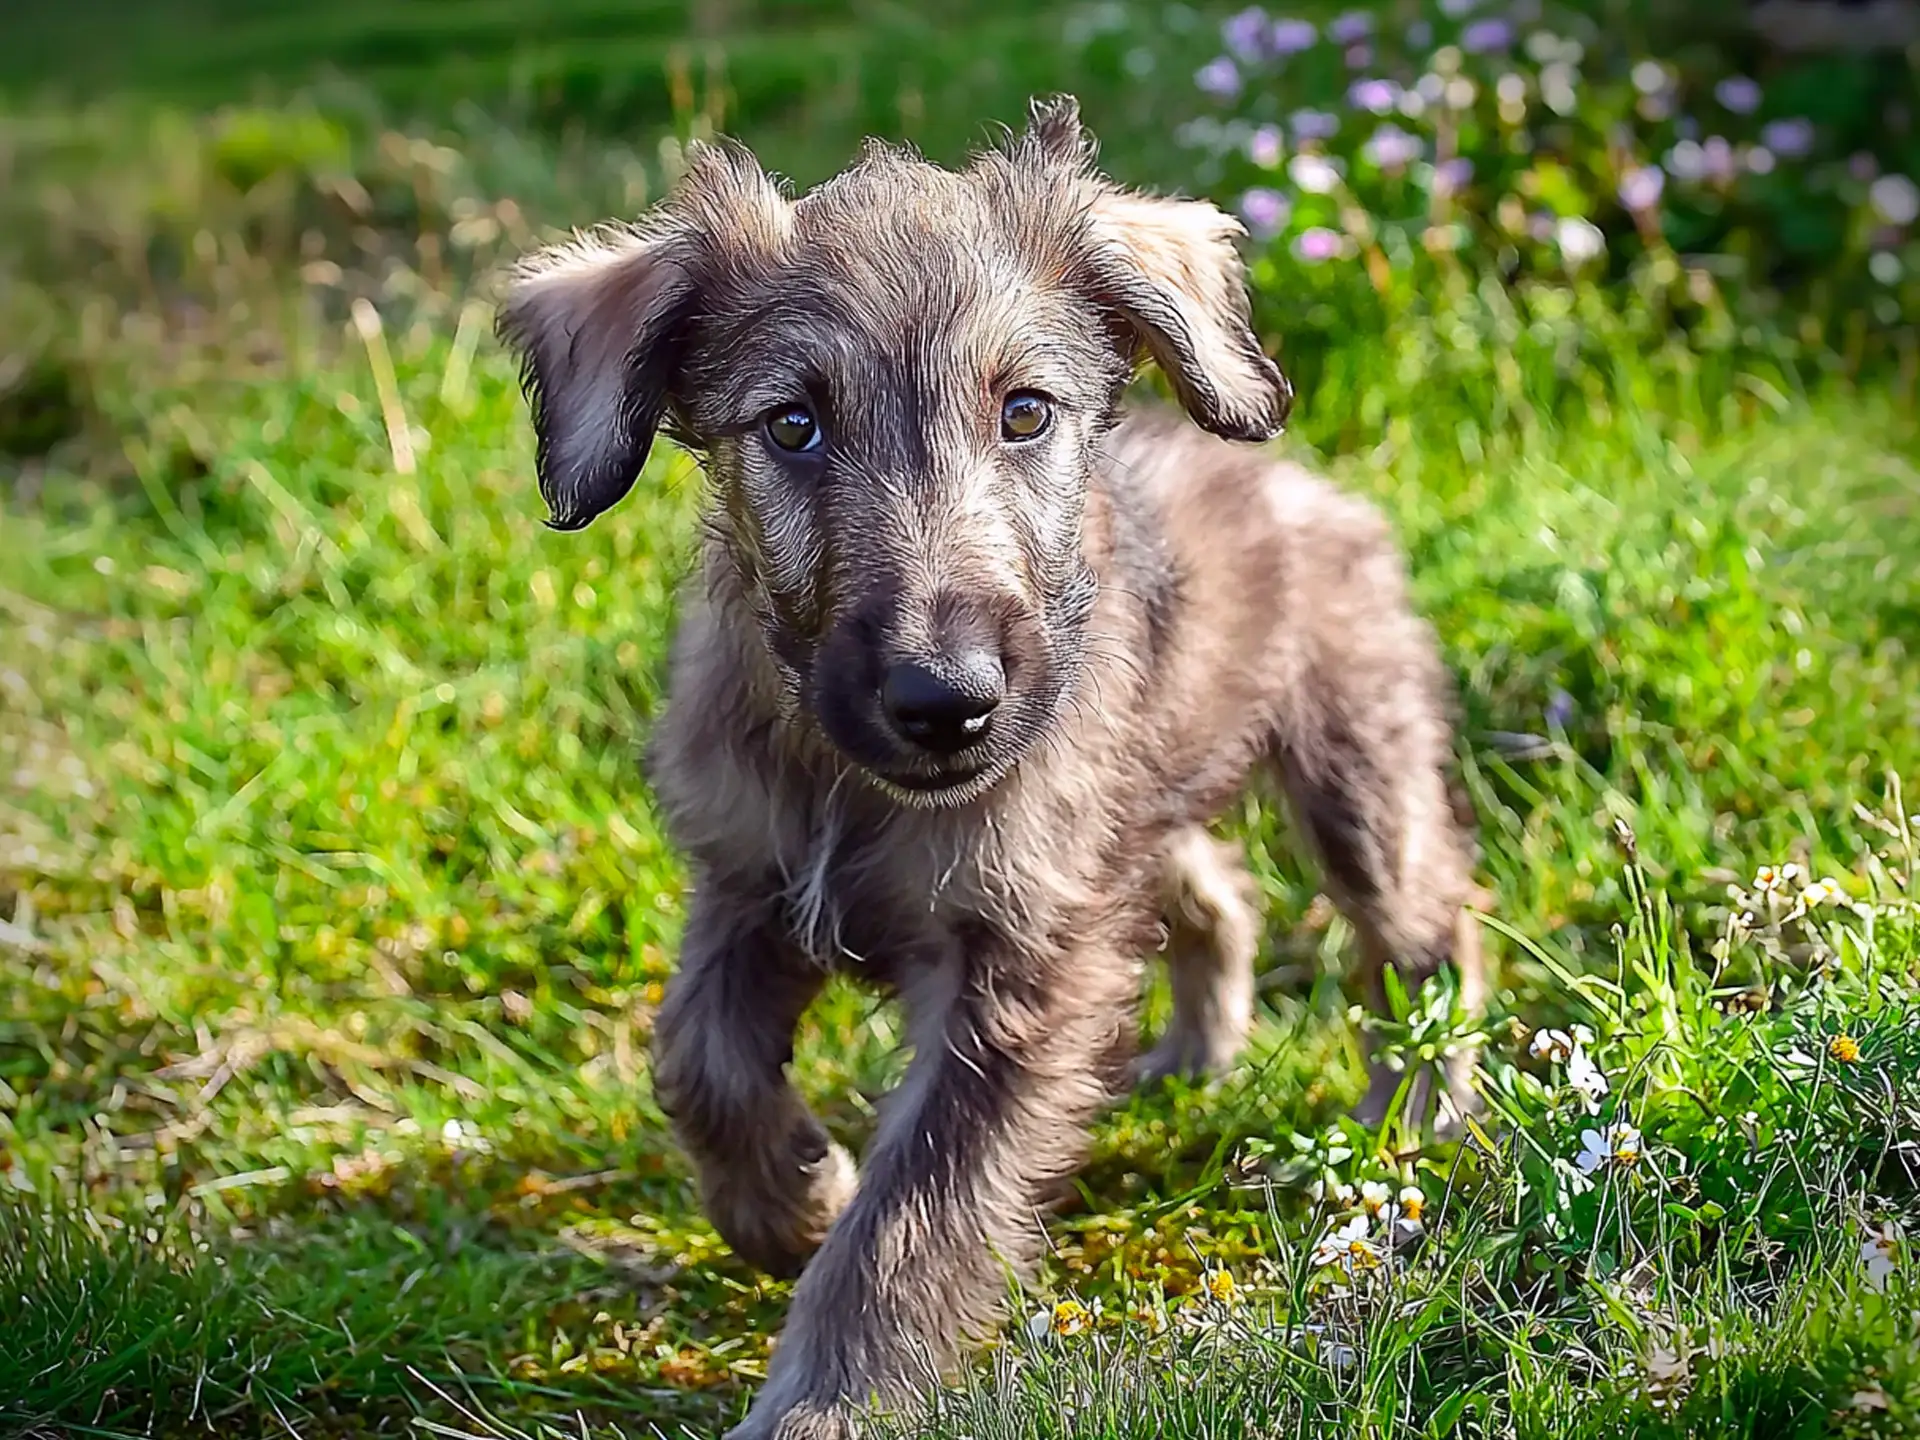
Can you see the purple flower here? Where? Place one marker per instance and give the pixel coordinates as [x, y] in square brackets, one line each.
[1314, 124]
[1789, 139]
[1218, 77]
[1419, 34]
[1350, 28]
[1379, 96]
[1290, 37]
[1318, 244]
[1559, 709]
[1392, 148]
[1484, 36]
[1738, 94]
[1640, 189]
[1454, 9]
[1862, 166]
[1265, 146]
[1359, 56]
[1450, 177]
[1265, 212]
[1245, 34]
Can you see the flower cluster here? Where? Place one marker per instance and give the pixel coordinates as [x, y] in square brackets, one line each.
[1544, 147]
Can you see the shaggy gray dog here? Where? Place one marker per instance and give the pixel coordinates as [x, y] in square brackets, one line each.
[969, 666]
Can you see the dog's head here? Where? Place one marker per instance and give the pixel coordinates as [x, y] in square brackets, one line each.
[897, 383]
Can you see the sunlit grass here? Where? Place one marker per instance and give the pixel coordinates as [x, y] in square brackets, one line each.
[336, 910]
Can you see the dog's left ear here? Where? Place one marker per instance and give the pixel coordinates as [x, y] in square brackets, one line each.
[600, 323]
[596, 323]
[1170, 269]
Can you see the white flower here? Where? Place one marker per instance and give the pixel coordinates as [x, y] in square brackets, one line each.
[1768, 879]
[1586, 1079]
[1314, 174]
[1620, 1146]
[1896, 199]
[1550, 1045]
[1880, 1251]
[1375, 1196]
[1822, 892]
[1350, 1247]
[1339, 1193]
[1580, 240]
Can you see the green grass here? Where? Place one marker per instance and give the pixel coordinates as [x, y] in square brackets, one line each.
[337, 911]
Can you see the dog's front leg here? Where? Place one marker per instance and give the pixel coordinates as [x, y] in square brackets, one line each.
[1010, 1065]
[770, 1178]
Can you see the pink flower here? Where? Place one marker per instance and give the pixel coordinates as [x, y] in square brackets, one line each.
[1640, 189]
[1392, 148]
[1265, 146]
[1379, 96]
[1318, 244]
[1450, 177]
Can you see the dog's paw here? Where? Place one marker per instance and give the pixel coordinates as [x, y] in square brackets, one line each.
[804, 1421]
[1191, 1055]
[775, 1224]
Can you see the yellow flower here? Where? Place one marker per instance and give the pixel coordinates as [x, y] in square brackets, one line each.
[1845, 1049]
[1070, 1317]
[1412, 1203]
[1221, 1287]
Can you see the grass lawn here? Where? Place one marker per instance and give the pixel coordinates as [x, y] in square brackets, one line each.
[336, 912]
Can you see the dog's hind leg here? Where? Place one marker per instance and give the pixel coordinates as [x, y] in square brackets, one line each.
[770, 1178]
[1213, 931]
[1364, 751]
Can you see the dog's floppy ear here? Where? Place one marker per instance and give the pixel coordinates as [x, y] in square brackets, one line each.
[599, 325]
[1170, 269]
[596, 323]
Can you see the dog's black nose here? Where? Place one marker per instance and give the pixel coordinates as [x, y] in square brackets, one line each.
[945, 712]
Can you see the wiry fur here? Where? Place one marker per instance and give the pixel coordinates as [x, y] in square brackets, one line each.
[1172, 614]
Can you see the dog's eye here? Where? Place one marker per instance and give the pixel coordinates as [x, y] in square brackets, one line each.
[1025, 416]
[793, 427]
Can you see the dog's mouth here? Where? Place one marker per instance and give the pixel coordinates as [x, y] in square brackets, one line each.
[945, 786]
[941, 789]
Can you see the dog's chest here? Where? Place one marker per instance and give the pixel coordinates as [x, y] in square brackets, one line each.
[878, 893]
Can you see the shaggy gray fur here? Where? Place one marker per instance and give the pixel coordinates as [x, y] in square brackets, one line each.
[1150, 614]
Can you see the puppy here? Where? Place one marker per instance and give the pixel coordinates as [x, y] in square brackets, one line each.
[968, 667]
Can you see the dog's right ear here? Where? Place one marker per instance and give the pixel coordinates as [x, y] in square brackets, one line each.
[596, 323]
[599, 325]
